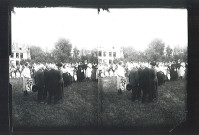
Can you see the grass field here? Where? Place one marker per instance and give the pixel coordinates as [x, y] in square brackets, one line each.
[80, 107]
[168, 111]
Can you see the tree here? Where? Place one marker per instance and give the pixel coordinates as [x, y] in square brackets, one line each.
[169, 52]
[179, 54]
[130, 54]
[117, 60]
[37, 54]
[23, 61]
[94, 57]
[49, 57]
[155, 50]
[62, 51]
[184, 58]
[89, 55]
[75, 54]
[142, 57]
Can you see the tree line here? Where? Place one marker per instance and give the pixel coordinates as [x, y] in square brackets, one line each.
[65, 53]
[158, 52]
[62, 52]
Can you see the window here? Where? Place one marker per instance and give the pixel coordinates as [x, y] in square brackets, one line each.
[17, 62]
[12, 55]
[100, 53]
[110, 61]
[104, 54]
[110, 54]
[114, 54]
[19, 48]
[17, 55]
[99, 60]
[21, 55]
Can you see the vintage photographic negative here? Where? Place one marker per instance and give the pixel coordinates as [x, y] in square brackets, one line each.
[74, 67]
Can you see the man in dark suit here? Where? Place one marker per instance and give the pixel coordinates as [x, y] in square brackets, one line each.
[39, 82]
[53, 79]
[61, 82]
[134, 81]
[80, 73]
[46, 71]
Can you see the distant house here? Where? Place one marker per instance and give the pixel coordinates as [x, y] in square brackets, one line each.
[108, 54]
[19, 52]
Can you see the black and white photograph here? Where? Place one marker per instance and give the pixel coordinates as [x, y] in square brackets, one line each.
[86, 67]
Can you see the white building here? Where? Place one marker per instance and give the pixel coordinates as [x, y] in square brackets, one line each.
[107, 54]
[19, 52]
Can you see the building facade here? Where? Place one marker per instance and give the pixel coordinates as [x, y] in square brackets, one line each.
[106, 55]
[19, 52]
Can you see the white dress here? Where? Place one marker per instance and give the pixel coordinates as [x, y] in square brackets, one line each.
[121, 80]
[89, 71]
[27, 81]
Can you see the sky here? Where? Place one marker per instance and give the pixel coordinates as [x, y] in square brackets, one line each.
[85, 28]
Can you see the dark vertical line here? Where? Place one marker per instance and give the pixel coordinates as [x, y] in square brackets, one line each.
[10, 109]
[193, 63]
[10, 86]
[99, 104]
[4, 17]
[9, 31]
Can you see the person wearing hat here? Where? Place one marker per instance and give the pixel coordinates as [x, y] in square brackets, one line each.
[153, 64]
[80, 72]
[59, 64]
[94, 72]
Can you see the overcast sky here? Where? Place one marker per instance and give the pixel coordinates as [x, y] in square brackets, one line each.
[85, 28]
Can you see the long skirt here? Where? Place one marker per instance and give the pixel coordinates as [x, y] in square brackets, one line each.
[27, 84]
[121, 83]
[88, 73]
[93, 75]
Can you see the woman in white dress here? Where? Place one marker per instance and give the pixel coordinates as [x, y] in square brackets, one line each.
[181, 72]
[27, 81]
[121, 81]
[89, 71]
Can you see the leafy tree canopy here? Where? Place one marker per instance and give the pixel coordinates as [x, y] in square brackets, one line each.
[155, 50]
[62, 51]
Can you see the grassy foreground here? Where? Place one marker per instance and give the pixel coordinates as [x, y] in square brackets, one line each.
[169, 111]
[80, 107]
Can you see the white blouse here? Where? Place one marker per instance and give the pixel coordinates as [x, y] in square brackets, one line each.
[26, 72]
[120, 71]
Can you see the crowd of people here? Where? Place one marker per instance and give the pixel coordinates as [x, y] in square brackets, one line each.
[50, 79]
[142, 78]
[106, 70]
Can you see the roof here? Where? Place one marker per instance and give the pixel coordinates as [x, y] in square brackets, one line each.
[20, 47]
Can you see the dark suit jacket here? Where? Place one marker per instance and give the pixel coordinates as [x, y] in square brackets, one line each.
[39, 78]
[52, 79]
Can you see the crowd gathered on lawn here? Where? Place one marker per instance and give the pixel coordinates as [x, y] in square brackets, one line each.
[142, 78]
